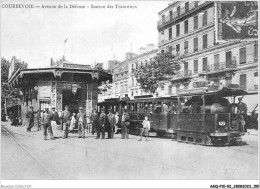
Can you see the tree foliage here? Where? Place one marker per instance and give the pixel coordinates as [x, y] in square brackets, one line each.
[161, 68]
[6, 91]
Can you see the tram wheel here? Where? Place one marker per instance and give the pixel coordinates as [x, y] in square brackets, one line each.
[219, 141]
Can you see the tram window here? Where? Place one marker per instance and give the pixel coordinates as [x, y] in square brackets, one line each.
[114, 108]
[132, 107]
[135, 107]
[158, 107]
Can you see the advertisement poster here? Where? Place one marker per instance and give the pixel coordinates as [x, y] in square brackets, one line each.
[236, 20]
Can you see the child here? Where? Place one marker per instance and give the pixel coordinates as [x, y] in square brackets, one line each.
[72, 122]
[145, 129]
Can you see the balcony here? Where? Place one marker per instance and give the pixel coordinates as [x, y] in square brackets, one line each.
[220, 67]
[176, 15]
[182, 74]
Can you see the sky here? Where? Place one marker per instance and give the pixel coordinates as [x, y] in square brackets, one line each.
[94, 34]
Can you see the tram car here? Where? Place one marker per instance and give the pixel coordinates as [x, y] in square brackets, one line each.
[208, 118]
[158, 110]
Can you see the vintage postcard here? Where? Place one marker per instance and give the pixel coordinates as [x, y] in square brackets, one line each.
[129, 94]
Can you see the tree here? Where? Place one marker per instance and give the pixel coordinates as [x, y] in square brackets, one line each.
[160, 69]
[6, 91]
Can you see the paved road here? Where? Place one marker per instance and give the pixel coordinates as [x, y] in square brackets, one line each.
[27, 156]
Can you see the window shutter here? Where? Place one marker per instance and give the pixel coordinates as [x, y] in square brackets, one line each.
[243, 81]
[205, 41]
[195, 66]
[205, 18]
[256, 51]
[177, 30]
[242, 55]
[170, 33]
[205, 64]
[195, 22]
[187, 7]
[186, 26]
[195, 44]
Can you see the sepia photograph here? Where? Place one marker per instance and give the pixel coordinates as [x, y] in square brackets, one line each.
[147, 94]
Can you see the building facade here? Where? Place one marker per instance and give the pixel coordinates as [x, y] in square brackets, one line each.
[187, 30]
[124, 83]
[140, 61]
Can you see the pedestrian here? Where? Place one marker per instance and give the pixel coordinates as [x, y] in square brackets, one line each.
[102, 124]
[65, 121]
[94, 120]
[112, 123]
[118, 118]
[72, 122]
[54, 117]
[125, 123]
[145, 129]
[47, 124]
[30, 115]
[88, 124]
[81, 119]
[242, 110]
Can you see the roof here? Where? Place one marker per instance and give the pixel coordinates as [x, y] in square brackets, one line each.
[220, 93]
[57, 71]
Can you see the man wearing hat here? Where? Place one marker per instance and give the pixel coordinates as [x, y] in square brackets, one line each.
[94, 120]
[102, 122]
[54, 117]
[242, 110]
[65, 119]
[47, 124]
[112, 123]
[81, 119]
[30, 115]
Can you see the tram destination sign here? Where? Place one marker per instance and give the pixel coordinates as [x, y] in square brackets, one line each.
[237, 20]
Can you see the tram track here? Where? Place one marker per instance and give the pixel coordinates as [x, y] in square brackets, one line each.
[30, 154]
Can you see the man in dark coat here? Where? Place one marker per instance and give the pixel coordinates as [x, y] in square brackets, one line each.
[47, 124]
[94, 120]
[30, 115]
[242, 110]
[81, 120]
[65, 120]
[54, 117]
[125, 122]
[102, 123]
[112, 123]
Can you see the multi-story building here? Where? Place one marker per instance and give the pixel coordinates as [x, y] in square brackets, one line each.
[124, 82]
[120, 77]
[187, 30]
[140, 61]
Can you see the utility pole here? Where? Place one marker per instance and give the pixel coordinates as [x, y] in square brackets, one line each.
[65, 41]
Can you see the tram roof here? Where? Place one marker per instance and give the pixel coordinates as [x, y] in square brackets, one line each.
[155, 99]
[220, 93]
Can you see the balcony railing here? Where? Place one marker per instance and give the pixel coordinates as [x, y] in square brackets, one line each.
[222, 66]
[183, 74]
[176, 14]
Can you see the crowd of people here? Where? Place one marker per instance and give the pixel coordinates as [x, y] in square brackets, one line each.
[100, 124]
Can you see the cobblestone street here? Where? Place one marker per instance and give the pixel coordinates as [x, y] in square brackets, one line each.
[25, 155]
